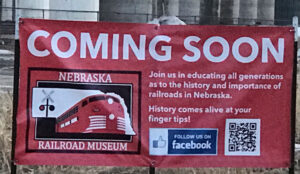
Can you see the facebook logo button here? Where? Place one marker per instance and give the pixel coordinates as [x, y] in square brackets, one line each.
[160, 143]
[176, 141]
[192, 141]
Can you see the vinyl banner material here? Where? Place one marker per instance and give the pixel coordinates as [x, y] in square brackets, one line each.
[116, 94]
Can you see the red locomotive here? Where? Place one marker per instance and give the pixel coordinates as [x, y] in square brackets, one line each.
[101, 113]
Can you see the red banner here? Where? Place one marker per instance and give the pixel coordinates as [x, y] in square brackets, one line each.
[116, 94]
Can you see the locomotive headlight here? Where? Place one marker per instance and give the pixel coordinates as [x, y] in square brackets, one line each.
[110, 101]
[111, 116]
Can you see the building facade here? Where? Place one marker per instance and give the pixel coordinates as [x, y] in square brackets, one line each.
[232, 12]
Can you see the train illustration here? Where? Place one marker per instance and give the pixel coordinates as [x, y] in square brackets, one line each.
[82, 111]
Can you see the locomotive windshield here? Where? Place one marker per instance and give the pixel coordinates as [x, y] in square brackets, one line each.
[97, 98]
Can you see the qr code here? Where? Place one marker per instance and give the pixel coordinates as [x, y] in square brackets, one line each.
[242, 137]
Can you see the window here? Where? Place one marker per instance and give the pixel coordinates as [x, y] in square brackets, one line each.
[84, 103]
[67, 123]
[96, 98]
[74, 120]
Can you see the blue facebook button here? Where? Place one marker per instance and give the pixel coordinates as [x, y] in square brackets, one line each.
[192, 141]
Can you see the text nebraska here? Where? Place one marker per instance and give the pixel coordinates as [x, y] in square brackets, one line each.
[84, 77]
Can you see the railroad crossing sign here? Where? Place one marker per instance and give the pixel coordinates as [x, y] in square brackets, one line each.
[46, 107]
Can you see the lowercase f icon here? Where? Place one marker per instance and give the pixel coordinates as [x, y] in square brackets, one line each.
[160, 143]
